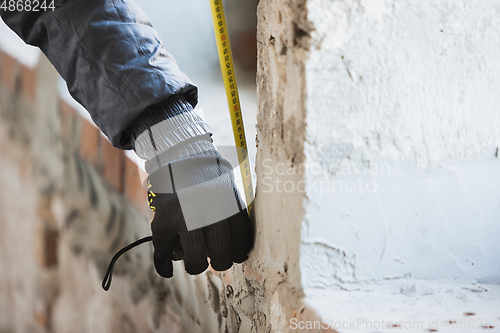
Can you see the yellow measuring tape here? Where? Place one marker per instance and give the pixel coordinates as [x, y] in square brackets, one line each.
[233, 100]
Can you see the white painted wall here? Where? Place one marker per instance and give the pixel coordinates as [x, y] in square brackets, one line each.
[403, 96]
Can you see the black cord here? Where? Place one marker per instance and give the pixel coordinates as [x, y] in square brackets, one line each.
[106, 283]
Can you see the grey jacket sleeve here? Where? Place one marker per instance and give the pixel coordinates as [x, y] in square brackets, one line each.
[111, 59]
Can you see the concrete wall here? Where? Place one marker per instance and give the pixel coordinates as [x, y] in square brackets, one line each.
[402, 143]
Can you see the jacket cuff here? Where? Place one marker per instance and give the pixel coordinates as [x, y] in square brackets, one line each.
[164, 125]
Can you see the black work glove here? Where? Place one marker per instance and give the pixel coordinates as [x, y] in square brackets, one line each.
[225, 242]
[191, 189]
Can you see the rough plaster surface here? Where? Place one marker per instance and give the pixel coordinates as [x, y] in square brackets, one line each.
[412, 80]
[266, 293]
[402, 94]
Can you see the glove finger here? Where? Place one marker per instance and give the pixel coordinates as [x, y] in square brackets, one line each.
[195, 251]
[177, 251]
[218, 241]
[242, 236]
[162, 244]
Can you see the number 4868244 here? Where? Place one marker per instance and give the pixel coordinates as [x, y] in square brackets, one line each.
[27, 5]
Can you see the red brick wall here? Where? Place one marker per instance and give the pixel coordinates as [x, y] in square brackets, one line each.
[115, 168]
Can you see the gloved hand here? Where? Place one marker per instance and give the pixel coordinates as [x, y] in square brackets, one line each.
[224, 242]
[198, 214]
[191, 189]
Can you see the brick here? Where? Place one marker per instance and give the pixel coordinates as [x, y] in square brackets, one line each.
[66, 109]
[112, 164]
[51, 239]
[89, 143]
[41, 318]
[67, 117]
[8, 71]
[244, 45]
[28, 83]
[133, 189]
